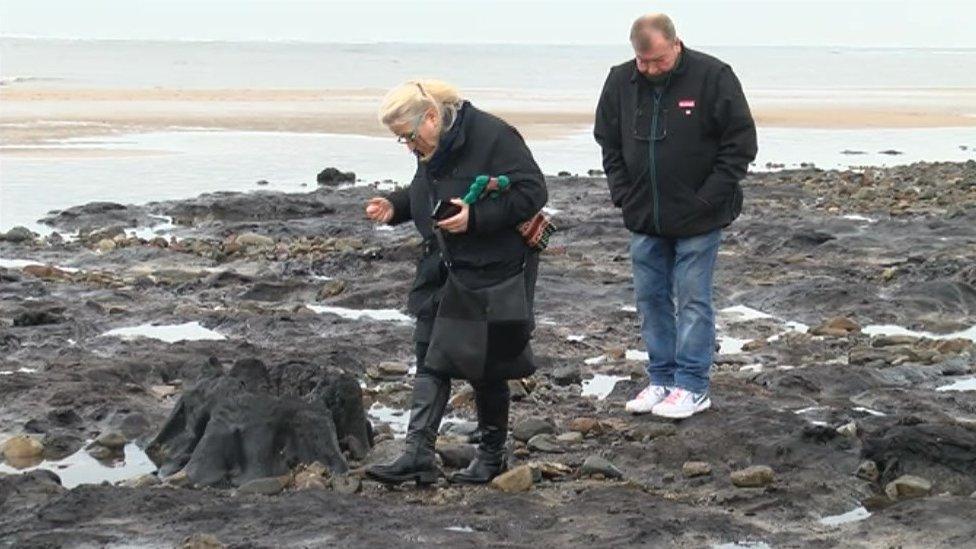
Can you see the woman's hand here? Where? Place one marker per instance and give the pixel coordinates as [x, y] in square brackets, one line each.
[459, 222]
[380, 210]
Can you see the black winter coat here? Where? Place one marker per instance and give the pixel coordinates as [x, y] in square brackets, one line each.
[674, 161]
[491, 249]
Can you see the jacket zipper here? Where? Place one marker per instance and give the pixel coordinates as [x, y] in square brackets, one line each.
[657, 200]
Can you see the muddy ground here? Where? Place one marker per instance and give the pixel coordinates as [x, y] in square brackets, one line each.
[813, 380]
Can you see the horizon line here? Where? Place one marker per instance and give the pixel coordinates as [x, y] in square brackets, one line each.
[17, 36]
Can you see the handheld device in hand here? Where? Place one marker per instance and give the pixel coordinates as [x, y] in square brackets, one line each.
[444, 209]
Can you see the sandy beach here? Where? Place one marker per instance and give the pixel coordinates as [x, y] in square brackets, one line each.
[37, 115]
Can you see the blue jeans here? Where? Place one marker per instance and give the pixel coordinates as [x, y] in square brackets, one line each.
[673, 287]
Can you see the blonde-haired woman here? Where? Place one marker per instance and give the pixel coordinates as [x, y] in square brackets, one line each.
[454, 143]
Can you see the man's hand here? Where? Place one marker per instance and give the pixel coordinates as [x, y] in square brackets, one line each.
[380, 210]
[459, 222]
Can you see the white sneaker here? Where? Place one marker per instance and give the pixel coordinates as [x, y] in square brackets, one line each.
[651, 396]
[681, 404]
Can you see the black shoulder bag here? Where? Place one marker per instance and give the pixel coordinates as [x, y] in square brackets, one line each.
[480, 333]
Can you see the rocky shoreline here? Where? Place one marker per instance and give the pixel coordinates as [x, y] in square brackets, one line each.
[845, 409]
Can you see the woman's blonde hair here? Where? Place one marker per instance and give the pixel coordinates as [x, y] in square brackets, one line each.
[415, 97]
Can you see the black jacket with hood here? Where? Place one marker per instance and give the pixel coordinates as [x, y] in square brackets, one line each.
[674, 156]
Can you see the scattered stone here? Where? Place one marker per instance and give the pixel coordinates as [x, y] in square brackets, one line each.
[347, 484]
[551, 469]
[586, 426]
[102, 453]
[868, 470]
[567, 375]
[201, 541]
[331, 288]
[162, 391]
[692, 469]
[22, 447]
[756, 476]
[332, 176]
[463, 399]
[528, 428]
[47, 272]
[595, 173]
[848, 430]
[571, 437]
[600, 466]
[178, 479]
[267, 486]
[545, 443]
[105, 245]
[517, 390]
[111, 440]
[837, 327]
[262, 182]
[142, 481]
[393, 369]
[518, 479]
[893, 340]
[754, 345]
[454, 455]
[907, 487]
[953, 346]
[254, 241]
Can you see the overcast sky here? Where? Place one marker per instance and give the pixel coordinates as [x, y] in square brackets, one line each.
[887, 23]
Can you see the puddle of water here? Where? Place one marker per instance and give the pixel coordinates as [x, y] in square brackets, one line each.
[551, 211]
[163, 229]
[640, 356]
[854, 515]
[751, 368]
[387, 315]
[856, 217]
[600, 385]
[190, 331]
[395, 417]
[463, 529]
[743, 545]
[968, 384]
[869, 411]
[595, 360]
[9, 263]
[575, 338]
[629, 308]
[890, 329]
[731, 345]
[19, 370]
[745, 313]
[81, 468]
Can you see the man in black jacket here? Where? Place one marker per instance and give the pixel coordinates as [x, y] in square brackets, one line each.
[677, 137]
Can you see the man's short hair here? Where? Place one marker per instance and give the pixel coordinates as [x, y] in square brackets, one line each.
[645, 26]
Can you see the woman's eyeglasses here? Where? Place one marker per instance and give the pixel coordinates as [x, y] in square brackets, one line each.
[412, 136]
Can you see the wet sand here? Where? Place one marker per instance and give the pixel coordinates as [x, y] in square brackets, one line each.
[38, 115]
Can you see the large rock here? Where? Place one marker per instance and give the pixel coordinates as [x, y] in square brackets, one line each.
[247, 424]
[17, 235]
[944, 453]
[22, 447]
[332, 176]
[518, 479]
[756, 476]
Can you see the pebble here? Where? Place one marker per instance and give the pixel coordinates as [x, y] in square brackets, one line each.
[105, 245]
[907, 487]
[518, 479]
[848, 430]
[868, 470]
[142, 481]
[454, 455]
[253, 240]
[756, 476]
[692, 469]
[586, 425]
[528, 428]
[597, 465]
[652, 430]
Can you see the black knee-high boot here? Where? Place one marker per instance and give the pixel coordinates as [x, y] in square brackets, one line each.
[491, 400]
[418, 462]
